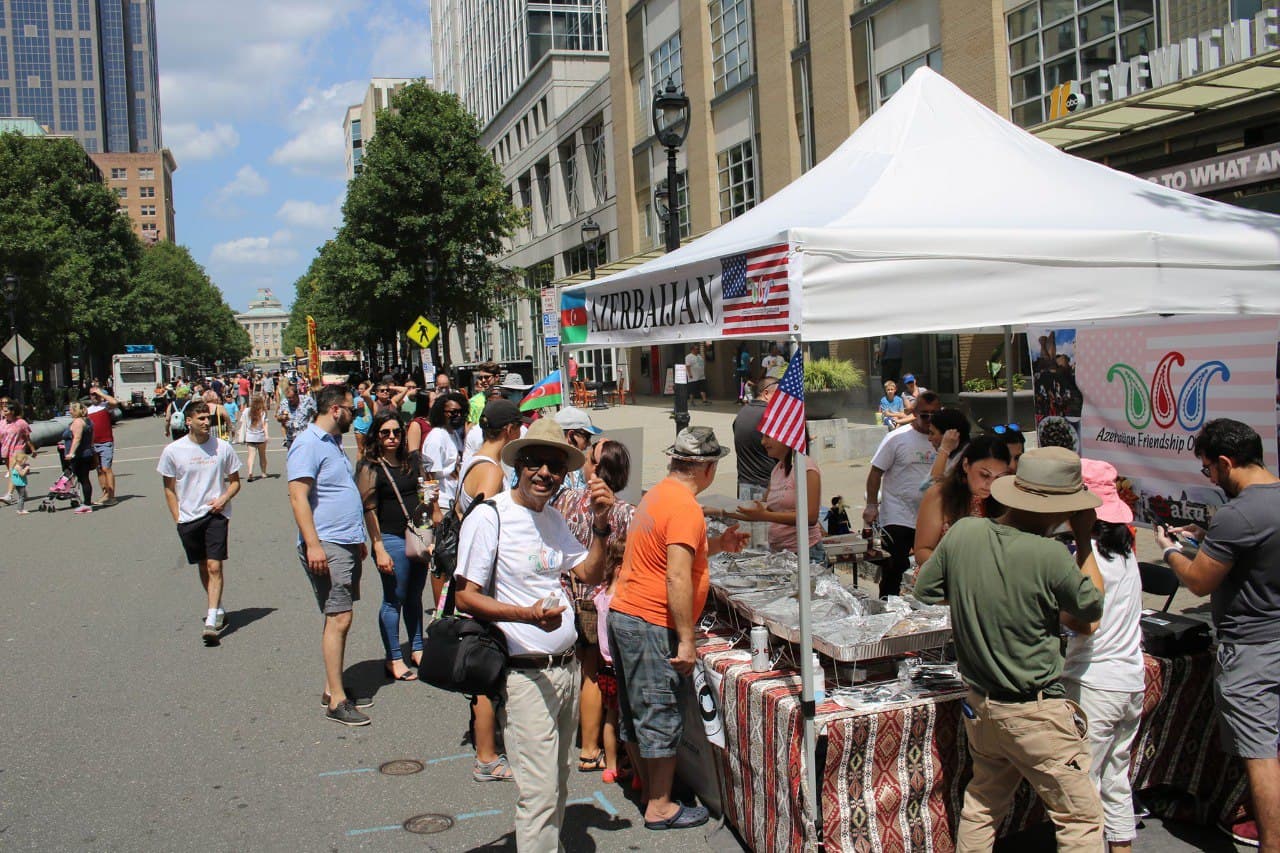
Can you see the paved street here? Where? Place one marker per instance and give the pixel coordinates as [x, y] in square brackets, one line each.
[122, 732]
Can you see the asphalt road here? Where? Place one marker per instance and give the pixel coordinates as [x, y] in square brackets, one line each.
[121, 731]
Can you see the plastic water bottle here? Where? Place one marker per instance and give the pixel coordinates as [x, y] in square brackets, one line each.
[819, 680]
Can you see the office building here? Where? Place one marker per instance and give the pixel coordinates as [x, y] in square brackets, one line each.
[83, 68]
[265, 320]
[536, 76]
[143, 184]
[361, 121]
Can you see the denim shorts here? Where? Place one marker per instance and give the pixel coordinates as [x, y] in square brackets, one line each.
[649, 688]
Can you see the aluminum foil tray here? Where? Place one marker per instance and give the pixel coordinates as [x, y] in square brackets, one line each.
[887, 647]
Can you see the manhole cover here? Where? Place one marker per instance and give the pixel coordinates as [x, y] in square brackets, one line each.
[401, 767]
[428, 824]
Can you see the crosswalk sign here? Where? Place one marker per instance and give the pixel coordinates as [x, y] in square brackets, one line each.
[422, 332]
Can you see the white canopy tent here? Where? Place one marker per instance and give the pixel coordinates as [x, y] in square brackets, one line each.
[937, 214]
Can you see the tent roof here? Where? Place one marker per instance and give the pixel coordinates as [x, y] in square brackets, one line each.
[938, 214]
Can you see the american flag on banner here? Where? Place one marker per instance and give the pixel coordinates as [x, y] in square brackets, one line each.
[784, 417]
[757, 298]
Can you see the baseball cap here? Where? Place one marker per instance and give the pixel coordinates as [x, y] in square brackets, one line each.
[908, 379]
[499, 413]
[571, 417]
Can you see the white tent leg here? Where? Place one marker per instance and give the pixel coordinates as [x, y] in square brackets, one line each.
[812, 798]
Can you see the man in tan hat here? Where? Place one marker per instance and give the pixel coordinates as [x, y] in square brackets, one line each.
[660, 593]
[1008, 585]
[521, 545]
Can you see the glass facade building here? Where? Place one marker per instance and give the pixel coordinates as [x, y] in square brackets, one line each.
[106, 49]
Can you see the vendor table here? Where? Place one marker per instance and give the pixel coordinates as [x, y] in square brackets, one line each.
[893, 778]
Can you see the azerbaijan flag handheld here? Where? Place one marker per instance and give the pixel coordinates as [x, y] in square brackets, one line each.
[573, 318]
[545, 393]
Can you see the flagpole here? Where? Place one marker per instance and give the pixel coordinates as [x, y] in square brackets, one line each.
[800, 470]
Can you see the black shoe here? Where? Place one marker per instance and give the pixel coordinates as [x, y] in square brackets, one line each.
[686, 817]
[358, 701]
[347, 714]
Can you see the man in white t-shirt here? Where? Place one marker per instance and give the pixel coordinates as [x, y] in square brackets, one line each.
[696, 366]
[774, 364]
[201, 475]
[522, 546]
[901, 464]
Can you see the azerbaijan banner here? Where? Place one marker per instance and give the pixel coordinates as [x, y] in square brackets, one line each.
[1136, 392]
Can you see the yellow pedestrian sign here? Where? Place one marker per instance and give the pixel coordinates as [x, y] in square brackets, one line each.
[422, 332]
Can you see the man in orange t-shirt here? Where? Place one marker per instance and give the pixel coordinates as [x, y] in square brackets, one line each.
[660, 591]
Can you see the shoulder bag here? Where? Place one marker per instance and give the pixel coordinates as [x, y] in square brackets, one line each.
[417, 539]
[466, 655]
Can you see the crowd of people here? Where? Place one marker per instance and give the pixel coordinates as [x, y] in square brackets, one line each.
[597, 598]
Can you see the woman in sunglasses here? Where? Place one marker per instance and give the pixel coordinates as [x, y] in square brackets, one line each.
[964, 492]
[388, 481]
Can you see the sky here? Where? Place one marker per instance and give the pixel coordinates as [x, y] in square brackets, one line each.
[253, 94]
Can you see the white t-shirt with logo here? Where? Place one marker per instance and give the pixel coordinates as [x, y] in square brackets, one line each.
[773, 365]
[1111, 657]
[198, 470]
[536, 548]
[905, 456]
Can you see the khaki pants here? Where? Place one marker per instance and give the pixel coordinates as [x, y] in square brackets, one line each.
[1041, 742]
[539, 718]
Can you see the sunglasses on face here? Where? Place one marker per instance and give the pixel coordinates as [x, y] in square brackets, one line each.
[555, 464]
[925, 416]
[1004, 428]
[390, 433]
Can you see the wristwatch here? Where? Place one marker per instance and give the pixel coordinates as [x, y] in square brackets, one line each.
[601, 532]
[1172, 549]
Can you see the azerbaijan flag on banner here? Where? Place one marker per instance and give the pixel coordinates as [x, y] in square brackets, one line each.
[573, 318]
[545, 393]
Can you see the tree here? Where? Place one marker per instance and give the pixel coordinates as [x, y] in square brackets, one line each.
[427, 192]
[175, 306]
[62, 235]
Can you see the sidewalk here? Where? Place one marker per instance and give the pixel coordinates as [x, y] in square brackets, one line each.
[652, 414]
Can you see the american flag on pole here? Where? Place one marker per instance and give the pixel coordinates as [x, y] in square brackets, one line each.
[757, 297]
[784, 417]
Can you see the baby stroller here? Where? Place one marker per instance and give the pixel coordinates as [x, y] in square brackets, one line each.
[65, 488]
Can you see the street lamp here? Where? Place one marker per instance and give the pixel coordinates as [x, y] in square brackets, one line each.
[591, 234]
[11, 287]
[429, 267]
[671, 126]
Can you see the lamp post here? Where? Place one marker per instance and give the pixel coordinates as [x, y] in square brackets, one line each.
[671, 126]
[590, 238]
[429, 267]
[11, 288]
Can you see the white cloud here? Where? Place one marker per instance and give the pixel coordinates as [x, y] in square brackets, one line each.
[247, 182]
[402, 44]
[256, 251]
[192, 142]
[310, 214]
[317, 146]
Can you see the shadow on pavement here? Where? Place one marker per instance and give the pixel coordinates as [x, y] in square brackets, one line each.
[578, 818]
[367, 677]
[237, 619]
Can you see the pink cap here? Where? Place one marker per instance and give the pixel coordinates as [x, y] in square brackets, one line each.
[1100, 478]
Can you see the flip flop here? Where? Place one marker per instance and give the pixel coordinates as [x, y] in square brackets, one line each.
[407, 676]
[686, 817]
[592, 765]
[497, 770]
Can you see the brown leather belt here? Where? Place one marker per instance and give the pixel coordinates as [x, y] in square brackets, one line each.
[540, 661]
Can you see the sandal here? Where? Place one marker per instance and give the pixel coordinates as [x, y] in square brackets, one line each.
[497, 770]
[592, 765]
[407, 675]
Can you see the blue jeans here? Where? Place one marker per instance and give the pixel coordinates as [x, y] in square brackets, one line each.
[401, 591]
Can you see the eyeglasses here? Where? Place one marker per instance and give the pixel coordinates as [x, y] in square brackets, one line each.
[384, 390]
[390, 433]
[1004, 428]
[555, 464]
[925, 416]
[485, 377]
[1205, 469]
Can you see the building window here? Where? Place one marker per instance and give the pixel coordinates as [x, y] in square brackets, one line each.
[4, 61]
[542, 171]
[526, 193]
[803, 86]
[89, 108]
[68, 116]
[148, 210]
[62, 14]
[579, 259]
[737, 175]
[730, 43]
[891, 81]
[355, 131]
[564, 25]
[146, 192]
[569, 174]
[84, 18]
[122, 192]
[598, 157]
[86, 59]
[509, 331]
[147, 174]
[119, 173]
[1050, 43]
[664, 64]
[65, 49]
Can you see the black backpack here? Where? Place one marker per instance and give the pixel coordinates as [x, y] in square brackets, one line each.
[444, 557]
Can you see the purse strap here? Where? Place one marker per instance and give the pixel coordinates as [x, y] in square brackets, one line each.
[396, 491]
[449, 608]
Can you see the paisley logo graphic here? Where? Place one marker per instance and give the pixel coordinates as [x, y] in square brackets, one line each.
[1157, 402]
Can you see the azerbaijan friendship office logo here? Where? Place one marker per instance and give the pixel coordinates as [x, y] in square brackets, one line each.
[1144, 403]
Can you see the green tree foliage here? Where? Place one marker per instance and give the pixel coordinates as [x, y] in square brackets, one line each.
[428, 192]
[60, 232]
[175, 306]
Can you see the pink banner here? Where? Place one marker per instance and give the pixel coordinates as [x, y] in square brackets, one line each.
[1136, 393]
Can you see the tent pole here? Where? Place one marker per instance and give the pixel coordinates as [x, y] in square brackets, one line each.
[800, 470]
[1008, 374]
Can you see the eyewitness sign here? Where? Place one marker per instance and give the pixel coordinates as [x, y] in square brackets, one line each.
[1222, 172]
